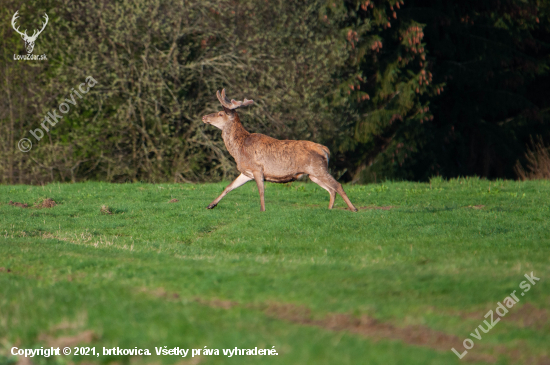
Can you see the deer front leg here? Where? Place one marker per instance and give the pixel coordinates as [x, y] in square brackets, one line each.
[259, 177]
[239, 181]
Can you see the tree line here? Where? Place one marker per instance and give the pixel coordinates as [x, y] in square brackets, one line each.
[396, 90]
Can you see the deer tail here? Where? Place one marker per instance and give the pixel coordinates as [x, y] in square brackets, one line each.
[326, 152]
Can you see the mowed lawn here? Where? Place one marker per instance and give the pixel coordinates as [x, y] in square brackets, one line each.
[403, 280]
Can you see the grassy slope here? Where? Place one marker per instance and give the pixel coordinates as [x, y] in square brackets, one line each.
[156, 273]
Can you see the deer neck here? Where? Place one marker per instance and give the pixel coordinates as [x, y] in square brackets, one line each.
[234, 136]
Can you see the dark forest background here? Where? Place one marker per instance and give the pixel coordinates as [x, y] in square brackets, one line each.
[397, 90]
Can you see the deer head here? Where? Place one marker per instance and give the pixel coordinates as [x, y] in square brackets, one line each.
[29, 41]
[225, 117]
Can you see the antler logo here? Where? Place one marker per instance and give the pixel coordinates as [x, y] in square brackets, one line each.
[29, 41]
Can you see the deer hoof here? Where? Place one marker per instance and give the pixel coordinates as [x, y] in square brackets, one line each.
[211, 206]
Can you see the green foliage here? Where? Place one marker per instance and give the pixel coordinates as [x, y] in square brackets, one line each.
[395, 90]
[388, 85]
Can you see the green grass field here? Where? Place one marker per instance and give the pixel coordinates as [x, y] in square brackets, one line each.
[398, 285]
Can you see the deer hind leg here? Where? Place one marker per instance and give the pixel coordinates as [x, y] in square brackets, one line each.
[342, 193]
[239, 181]
[327, 187]
[332, 186]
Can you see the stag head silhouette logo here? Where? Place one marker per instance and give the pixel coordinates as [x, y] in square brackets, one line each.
[29, 40]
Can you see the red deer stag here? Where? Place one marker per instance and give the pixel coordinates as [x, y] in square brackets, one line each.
[263, 158]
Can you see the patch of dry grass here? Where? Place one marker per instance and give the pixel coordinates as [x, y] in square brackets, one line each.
[538, 162]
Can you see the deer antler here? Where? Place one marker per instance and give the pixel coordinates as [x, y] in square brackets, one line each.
[35, 34]
[231, 104]
[13, 19]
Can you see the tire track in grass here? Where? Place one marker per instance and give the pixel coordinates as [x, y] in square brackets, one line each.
[365, 326]
[526, 316]
[414, 335]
